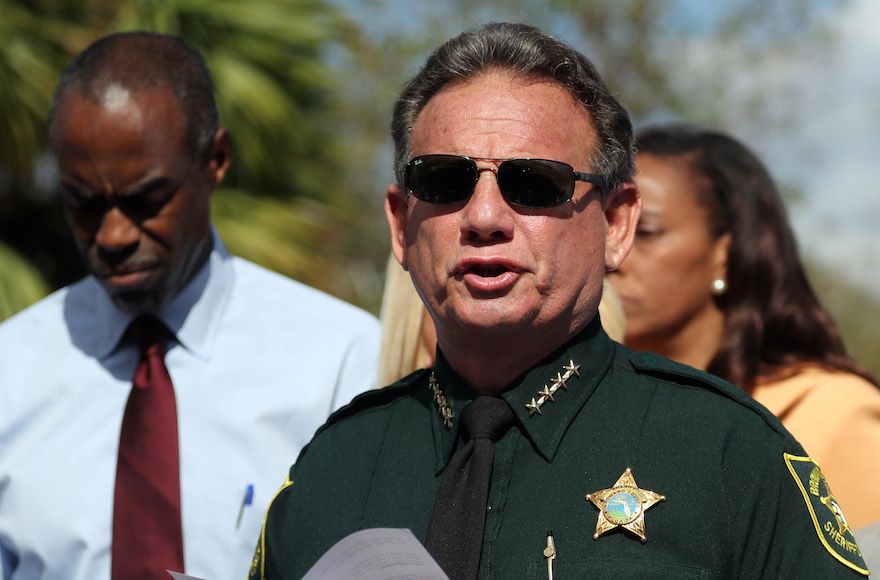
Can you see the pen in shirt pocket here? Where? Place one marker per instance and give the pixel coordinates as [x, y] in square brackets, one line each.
[246, 500]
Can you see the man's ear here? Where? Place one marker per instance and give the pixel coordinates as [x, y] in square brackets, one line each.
[218, 156]
[396, 214]
[622, 209]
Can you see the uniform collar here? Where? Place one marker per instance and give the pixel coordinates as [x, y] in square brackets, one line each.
[590, 351]
[192, 315]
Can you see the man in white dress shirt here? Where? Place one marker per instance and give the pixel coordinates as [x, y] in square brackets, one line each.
[257, 361]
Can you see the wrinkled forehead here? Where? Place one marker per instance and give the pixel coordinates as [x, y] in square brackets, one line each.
[155, 109]
[501, 114]
[125, 129]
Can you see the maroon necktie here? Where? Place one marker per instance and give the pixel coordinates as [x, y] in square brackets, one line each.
[147, 535]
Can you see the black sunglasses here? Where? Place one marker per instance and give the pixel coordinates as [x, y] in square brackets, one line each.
[535, 183]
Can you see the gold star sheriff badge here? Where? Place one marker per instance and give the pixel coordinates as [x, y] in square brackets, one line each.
[623, 505]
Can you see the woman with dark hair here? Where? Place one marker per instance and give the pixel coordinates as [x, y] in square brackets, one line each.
[714, 280]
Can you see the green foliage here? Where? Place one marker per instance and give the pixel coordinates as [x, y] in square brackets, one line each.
[20, 284]
[299, 237]
[26, 82]
[272, 85]
[854, 309]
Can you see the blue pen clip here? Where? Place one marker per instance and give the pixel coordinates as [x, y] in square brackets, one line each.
[246, 500]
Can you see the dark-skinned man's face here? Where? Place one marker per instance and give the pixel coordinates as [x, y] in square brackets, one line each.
[135, 195]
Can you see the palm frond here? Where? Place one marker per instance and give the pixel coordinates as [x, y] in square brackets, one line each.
[20, 283]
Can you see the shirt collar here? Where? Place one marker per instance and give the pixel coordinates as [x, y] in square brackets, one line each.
[583, 362]
[192, 315]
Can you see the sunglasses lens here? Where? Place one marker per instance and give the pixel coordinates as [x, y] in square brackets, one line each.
[441, 178]
[536, 182]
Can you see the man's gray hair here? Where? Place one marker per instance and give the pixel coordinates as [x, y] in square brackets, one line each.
[527, 51]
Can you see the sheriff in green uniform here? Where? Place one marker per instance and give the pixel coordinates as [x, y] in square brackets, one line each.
[514, 196]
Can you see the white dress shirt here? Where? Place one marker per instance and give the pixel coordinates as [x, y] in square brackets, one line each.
[259, 363]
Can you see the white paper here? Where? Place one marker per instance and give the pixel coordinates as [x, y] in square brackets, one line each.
[181, 576]
[377, 554]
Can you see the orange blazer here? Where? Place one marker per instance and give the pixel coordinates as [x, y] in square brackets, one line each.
[836, 417]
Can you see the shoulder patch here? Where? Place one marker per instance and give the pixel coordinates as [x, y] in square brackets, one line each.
[828, 519]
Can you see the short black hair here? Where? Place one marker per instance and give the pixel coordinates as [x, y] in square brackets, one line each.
[147, 60]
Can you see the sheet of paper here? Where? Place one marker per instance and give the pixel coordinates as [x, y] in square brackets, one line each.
[181, 576]
[377, 554]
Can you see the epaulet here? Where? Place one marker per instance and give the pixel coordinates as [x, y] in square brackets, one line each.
[660, 366]
[663, 368]
[377, 397]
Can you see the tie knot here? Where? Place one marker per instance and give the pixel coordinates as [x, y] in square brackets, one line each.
[148, 331]
[487, 418]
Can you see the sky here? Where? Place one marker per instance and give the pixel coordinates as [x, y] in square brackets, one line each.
[841, 143]
[829, 149]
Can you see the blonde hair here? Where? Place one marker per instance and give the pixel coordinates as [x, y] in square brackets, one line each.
[408, 339]
[611, 312]
[403, 318]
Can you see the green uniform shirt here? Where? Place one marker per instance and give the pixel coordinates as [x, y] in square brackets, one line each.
[741, 498]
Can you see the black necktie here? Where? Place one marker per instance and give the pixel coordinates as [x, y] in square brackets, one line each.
[455, 534]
